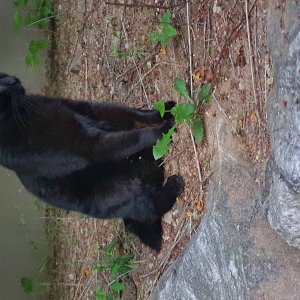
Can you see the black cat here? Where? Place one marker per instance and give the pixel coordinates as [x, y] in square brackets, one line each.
[88, 157]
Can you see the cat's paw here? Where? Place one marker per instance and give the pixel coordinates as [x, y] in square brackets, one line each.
[169, 105]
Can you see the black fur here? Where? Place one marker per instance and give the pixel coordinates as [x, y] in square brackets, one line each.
[88, 157]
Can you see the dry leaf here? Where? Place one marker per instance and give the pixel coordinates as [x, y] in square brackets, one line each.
[241, 58]
[203, 74]
[253, 117]
[200, 205]
[241, 123]
[163, 51]
[86, 272]
[189, 214]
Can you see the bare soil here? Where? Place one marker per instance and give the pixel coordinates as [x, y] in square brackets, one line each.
[226, 46]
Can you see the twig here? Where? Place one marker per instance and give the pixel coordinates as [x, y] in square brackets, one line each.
[141, 5]
[190, 46]
[233, 31]
[251, 59]
[136, 66]
[79, 37]
[191, 89]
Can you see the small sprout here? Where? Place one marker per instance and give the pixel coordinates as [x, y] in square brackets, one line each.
[27, 284]
[180, 87]
[198, 128]
[165, 31]
[182, 112]
[204, 94]
[34, 13]
[117, 268]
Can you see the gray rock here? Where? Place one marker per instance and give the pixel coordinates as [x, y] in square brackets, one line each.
[284, 119]
[284, 209]
[234, 253]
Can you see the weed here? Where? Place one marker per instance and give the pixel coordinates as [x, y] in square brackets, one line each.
[116, 38]
[183, 112]
[164, 31]
[117, 269]
[37, 14]
[27, 284]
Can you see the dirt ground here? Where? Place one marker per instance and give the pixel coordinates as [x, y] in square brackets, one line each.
[217, 42]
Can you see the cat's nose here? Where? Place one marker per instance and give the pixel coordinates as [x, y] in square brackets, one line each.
[6, 80]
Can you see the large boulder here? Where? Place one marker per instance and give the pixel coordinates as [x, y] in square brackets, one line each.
[235, 254]
[284, 119]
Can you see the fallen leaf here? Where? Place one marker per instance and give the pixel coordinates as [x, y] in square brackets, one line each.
[253, 117]
[200, 205]
[203, 74]
[86, 272]
[241, 58]
[163, 51]
[189, 214]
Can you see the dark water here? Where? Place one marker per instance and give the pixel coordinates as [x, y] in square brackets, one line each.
[23, 249]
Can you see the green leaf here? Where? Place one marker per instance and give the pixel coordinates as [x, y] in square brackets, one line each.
[110, 247]
[198, 128]
[166, 19]
[121, 265]
[39, 4]
[100, 268]
[46, 12]
[180, 87]
[42, 44]
[167, 34]
[154, 37]
[42, 23]
[17, 19]
[117, 287]
[204, 94]
[100, 294]
[162, 145]
[160, 106]
[27, 284]
[31, 18]
[32, 60]
[182, 112]
[33, 49]
[20, 3]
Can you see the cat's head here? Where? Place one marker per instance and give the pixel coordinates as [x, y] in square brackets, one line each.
[11, 89]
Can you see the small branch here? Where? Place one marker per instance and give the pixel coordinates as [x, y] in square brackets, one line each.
[251, 60]
[233, 31]
[136, 66]
[191, 90]
[190, 46]
[140, 5]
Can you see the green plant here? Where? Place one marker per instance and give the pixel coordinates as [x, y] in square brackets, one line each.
[27, 284]
[37, 14]
[164, 31]
[116, 37]
[182, 112]
[117, 269]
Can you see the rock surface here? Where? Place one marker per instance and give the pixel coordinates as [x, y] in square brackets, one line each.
[284, 119]
[235, 254]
